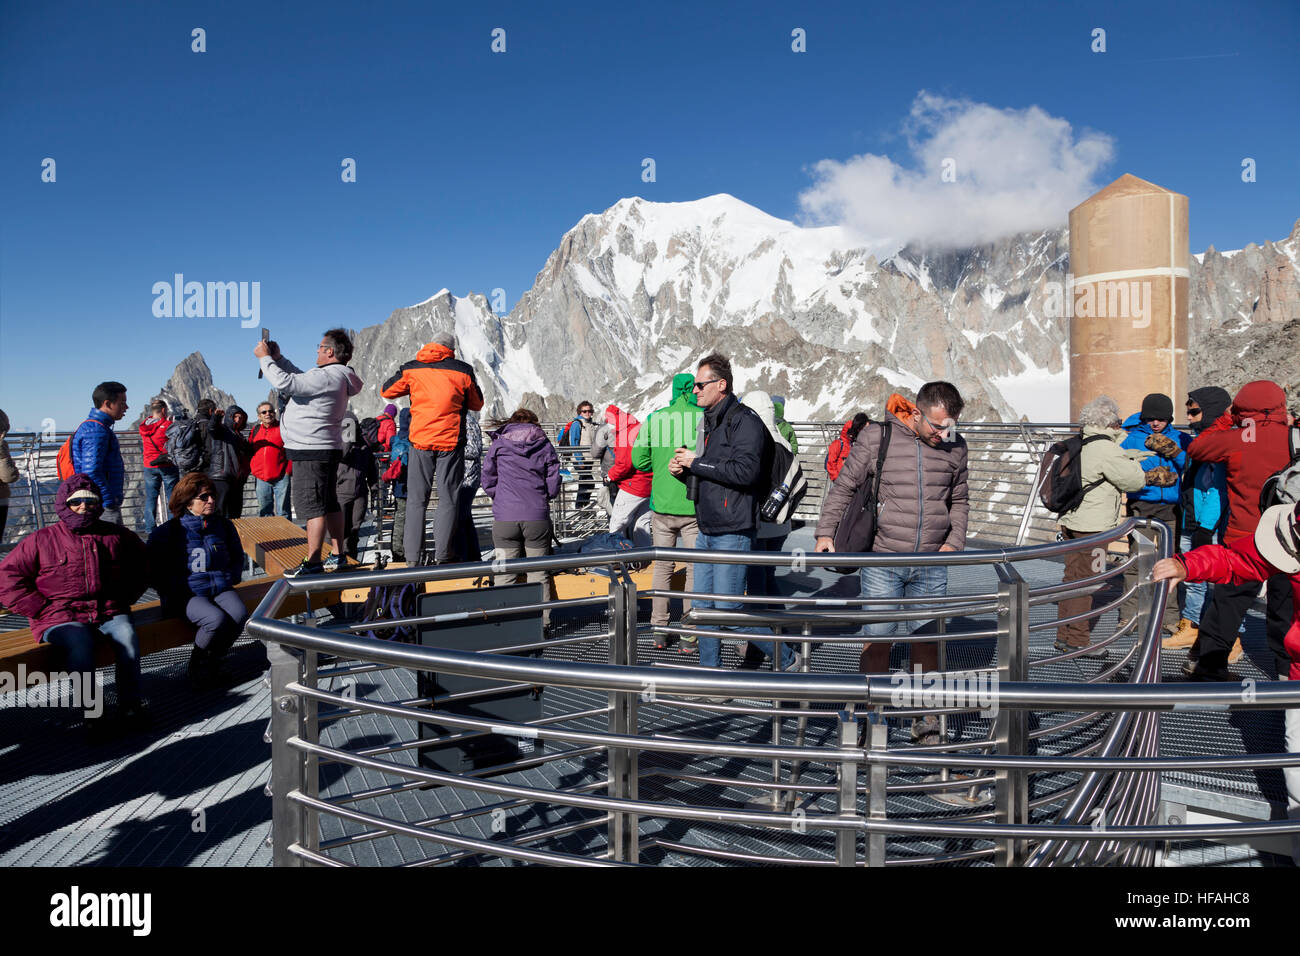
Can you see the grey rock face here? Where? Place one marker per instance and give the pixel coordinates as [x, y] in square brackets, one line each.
[191, 381]
[1245, 316]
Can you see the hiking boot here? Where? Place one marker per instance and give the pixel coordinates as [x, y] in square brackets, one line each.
[1234, 655]
[925, 731]
[1094, 651]
[305, 567]
[1183, 637]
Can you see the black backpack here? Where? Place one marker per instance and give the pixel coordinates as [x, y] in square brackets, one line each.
[187, 445]
[1060, 476]
[370, 434]
[1283, 486]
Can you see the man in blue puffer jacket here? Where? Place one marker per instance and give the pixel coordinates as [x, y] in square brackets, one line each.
[95, 451]
[196, 560]
[1152, 430]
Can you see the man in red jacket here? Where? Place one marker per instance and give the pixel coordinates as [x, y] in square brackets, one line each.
[157, 478]
[1251, 439]
[1271, 553]
[633, 485]
[269, 464]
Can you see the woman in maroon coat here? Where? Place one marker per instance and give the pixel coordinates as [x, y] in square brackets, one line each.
[76, 581]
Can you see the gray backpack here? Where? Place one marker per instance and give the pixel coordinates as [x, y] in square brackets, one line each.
[1283, 486]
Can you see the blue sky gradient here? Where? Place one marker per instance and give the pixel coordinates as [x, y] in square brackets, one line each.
[225, 165]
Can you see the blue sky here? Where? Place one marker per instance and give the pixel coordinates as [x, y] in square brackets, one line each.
[225, 165]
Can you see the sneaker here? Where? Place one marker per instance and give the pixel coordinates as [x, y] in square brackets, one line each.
[1183, 637]
[1234, 655]
[305, 567]
[925, 731]
[1094, 651]
[336, 562]
[795, 664]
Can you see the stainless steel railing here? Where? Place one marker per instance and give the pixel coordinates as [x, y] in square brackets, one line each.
[1065, 772]
[1003, 468]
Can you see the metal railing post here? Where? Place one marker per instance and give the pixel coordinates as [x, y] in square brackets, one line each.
[290, 822]
[877, 796]
[1144, 539]
[846, 840]
[1011, 727]
[623, 762]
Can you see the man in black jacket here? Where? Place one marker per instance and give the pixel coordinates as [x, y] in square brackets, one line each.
[731, 468]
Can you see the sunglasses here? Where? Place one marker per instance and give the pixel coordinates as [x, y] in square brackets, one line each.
[1193, 411]
[206, 496]
[698, 386]
[82, 502]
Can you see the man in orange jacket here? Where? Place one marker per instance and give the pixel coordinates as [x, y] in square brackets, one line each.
[442, 390]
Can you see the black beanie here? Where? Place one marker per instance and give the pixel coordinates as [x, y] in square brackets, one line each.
[1158, 406]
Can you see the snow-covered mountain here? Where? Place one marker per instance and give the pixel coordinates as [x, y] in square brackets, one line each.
[639, 292]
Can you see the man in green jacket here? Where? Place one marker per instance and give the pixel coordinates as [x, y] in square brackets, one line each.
[1109, 472]
[672, 513]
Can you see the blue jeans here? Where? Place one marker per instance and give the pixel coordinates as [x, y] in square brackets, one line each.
[76, 642]
[1194, 593]
[901, 582]
[156, 479]
[280, 489]
[724, 579]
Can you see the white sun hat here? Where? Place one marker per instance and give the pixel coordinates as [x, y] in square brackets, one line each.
[1278, 537]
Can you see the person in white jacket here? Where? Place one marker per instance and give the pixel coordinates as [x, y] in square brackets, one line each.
[312, 429]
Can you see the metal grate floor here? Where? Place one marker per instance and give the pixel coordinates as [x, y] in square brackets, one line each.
[190, 791]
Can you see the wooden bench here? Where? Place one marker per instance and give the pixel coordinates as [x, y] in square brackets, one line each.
[273, 543]
[568, 585]
[156, 633]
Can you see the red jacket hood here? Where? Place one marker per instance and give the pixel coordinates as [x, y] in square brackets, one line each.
[1262, 400]
[844, 432]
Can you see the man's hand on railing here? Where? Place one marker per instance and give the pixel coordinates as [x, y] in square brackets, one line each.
[1169, 569]
[825, 545]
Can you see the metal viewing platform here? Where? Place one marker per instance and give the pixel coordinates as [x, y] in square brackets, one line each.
[628, 757]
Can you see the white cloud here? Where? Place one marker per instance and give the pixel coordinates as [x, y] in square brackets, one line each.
[1015, 171]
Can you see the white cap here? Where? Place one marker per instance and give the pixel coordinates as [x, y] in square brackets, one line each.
[1278, 538]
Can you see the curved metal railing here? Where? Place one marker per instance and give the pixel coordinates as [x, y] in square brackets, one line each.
[1040, 772]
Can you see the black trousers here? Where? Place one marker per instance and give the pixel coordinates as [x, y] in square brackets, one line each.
[1224, 613]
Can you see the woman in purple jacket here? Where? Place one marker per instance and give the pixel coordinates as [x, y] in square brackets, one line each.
[521, 474]
[76, 581]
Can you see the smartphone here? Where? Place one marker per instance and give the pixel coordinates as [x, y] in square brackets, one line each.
[266, 337]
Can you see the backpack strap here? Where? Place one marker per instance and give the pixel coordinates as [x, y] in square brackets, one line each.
[886, 430]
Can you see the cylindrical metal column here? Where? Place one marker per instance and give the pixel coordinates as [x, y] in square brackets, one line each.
[1128, 304]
